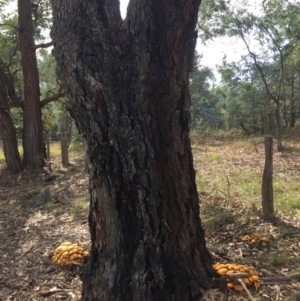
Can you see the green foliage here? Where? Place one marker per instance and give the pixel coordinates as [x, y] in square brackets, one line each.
[205, 107]
[10, 61]
[269, 73]
[42, 18]
[49, 87]
[17, 115]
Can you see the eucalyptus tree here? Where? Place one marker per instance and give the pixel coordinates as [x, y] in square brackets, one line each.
[10, 95]
[9, 99]
[21, 30]
[262, 34]
[128, 84]
[247, 104]
[205, 106]
[33, 140]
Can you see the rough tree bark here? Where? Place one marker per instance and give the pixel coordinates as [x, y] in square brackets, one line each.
[7, 129]
[33, 142]
[128, 86]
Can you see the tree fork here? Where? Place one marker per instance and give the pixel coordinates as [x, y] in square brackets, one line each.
[128, 85]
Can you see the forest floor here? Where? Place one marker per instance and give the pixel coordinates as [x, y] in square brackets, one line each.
[29, 231]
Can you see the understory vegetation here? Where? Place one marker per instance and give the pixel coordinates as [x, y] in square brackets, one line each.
[233, 171]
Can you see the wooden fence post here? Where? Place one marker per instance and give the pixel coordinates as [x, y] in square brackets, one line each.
[267, 181]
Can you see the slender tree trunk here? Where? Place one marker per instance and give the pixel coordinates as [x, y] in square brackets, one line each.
[292, 104]
[33, 142]
[278, 127]
[64, 143]
[285, 114]
[128, 83]
[65, 124]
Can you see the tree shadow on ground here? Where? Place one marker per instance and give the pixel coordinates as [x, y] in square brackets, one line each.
[29, 235]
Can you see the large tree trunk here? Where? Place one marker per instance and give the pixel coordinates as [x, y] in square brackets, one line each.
[33, 142]
[7, 129]
[10, 142]
[128, 82]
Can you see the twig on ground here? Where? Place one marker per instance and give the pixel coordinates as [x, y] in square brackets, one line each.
[245, 288]
[281, 278]
[24, 254]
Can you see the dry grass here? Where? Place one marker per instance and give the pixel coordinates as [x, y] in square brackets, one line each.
[76, 151]
[234, 171]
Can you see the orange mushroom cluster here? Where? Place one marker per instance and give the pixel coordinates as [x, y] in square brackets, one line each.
[68, 253]
[256, 238]
[225, 270]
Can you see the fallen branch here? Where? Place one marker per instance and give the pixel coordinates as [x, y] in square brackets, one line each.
[281, 278]
[267, 279]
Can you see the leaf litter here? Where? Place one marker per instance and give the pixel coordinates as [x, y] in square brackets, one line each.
[228, 218]
[29, 234]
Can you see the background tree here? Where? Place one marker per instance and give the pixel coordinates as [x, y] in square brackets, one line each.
[9, 93]
[205, 106]
[33, 140]
[65, 125]
[16, 42]
[273, 42]
[247, 104]
[50, 89]
[7, 129]
[128, 85]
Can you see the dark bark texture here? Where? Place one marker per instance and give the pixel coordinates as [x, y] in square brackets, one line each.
[10, 143]
[128, 86]
[7, 129]
[33, 142]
